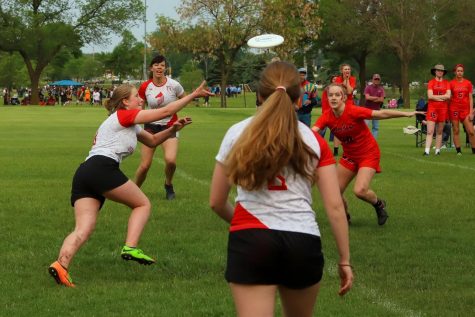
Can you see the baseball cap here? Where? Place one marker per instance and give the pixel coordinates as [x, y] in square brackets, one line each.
[302, 70]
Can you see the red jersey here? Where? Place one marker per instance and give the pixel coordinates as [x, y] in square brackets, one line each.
[325, 103]
[349, 97]
[351, 129]
[438, 88]
[461, 91]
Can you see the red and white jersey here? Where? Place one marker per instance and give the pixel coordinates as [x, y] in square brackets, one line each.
[460, 94]
[117, 136]
[285, 204]
[160, 96]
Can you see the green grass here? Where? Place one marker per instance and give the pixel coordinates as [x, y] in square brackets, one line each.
[419, 264]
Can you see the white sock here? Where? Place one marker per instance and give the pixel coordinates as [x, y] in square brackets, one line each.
[437, 151]
[427, 150]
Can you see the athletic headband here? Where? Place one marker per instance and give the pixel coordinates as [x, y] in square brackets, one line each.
[459, 65]
[281, 87]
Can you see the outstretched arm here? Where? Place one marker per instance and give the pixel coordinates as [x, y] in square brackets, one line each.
[388, 114]
[153, 140]
[327, 182]
[152, 115]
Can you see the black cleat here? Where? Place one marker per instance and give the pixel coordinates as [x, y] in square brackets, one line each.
[381, 212]
[169, 192]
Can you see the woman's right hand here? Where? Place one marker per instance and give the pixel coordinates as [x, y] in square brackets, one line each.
[202, 91]
[346, 279]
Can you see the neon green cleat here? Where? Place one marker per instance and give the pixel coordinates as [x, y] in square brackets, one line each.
[136, 254]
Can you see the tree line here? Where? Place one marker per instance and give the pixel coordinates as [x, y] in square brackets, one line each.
[400, 39]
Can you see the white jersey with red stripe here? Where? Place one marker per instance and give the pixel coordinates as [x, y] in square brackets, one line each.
[117, 136]
[285, 204]
[160, 96]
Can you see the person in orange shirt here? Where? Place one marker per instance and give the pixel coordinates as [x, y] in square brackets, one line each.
[87, 95]
[438, 93]
[461, 107]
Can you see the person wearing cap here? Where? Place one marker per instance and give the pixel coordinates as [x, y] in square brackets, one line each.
[308, 99]
[438, 93]
[274, 242]
[374, 96]
[461, 107]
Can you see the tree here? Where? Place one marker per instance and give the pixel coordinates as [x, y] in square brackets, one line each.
[348, 31]
[12, 71]
[39, 29]
[220, 29]
[124, 59]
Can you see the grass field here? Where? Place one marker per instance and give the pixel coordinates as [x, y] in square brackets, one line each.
[421, 263]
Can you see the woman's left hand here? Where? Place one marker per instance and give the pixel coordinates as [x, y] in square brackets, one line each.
[181, 123]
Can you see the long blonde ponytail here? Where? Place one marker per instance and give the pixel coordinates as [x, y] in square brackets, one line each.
[272, 140]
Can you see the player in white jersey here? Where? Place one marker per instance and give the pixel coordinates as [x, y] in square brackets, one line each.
[274, 240]
[157, 93]
[99, 176]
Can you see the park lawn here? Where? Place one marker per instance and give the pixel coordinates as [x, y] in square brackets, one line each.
[419, 264]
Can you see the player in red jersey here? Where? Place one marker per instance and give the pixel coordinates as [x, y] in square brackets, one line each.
[361, 154]
[461, 107]
[349, 82]
[438, 93]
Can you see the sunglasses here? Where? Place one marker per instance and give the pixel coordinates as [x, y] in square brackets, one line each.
[376, 78]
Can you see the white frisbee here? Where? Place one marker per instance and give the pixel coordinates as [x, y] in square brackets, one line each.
[265, 41]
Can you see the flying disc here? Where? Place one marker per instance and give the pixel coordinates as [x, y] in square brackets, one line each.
[265, 41]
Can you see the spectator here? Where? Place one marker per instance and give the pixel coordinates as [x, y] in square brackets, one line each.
[374, 95]
[308, 98]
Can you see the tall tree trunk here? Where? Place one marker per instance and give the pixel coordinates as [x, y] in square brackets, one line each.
[34, 74]
[35, 80]
[405, 83]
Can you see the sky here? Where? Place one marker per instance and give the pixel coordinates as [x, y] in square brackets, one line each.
[154, 7]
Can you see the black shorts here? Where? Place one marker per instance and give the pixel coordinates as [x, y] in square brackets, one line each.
[272, 257]
[96, 176]
[155, 128]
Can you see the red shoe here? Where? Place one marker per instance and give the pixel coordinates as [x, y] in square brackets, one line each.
[60, 274]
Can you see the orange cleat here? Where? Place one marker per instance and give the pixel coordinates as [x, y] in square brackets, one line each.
[60, 274]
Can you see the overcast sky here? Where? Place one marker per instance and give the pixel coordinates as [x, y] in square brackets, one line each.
[154, 7]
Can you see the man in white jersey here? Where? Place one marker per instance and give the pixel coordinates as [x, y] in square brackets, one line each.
[159, 91]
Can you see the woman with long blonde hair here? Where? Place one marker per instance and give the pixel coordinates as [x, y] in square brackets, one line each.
[274, 240]
[99, 178]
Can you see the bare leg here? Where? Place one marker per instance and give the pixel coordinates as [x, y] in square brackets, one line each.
[131, 195]
[254, 300]
[145, 163]
[299, 302]
[170, 151]
[85, 211]
[470, 130]
[456, 130]
[430, 133]
[362, 182]
[438, 135]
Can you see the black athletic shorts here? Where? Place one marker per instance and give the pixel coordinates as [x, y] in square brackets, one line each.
[272, 257]
[155, 128]
[96, 176]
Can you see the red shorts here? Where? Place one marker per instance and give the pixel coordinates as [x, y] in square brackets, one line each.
[436, 115]
[354, 164]
[458, 114]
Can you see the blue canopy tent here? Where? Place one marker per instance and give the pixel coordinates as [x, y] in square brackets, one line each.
[66, 82]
